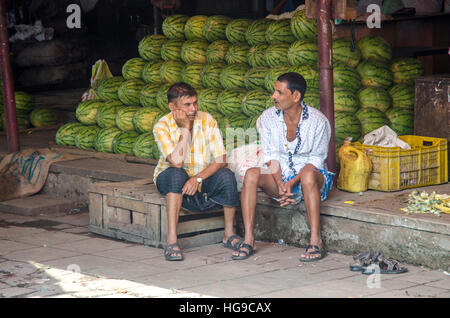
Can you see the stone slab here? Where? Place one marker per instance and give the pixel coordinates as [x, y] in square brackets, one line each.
[36, 205]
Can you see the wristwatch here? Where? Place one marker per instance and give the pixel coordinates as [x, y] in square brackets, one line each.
[199, 180]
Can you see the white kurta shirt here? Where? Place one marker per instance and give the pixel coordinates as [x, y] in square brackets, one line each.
[309, 147]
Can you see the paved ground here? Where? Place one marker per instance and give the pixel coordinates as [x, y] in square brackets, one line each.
[57, 257]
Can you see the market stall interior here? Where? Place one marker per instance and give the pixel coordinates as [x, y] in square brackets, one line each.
[96, 89]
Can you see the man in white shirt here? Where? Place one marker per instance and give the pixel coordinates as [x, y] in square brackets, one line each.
[294, 141]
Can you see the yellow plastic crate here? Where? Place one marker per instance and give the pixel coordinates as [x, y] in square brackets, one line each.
[397, 169]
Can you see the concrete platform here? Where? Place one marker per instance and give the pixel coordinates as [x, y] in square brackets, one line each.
[39, 204]
[373, 222]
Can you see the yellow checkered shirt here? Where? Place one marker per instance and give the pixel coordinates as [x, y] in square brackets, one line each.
[206, 144]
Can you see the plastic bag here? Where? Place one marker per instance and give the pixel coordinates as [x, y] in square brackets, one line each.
[100, 72]
[243, 158]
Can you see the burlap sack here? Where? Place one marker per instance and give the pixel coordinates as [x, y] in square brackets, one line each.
[24, 173]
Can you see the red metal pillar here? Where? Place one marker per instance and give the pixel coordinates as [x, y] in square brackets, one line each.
[324, 38]
[12, 133]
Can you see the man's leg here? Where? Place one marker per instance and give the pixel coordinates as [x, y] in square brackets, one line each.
[312, 180]
[252, 180]
[221, 188]
[170, 183]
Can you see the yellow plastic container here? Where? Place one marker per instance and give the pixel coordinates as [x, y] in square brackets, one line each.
[355, 169]
[397, 169]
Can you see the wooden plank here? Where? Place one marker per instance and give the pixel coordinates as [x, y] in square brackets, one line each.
[154, 220]
[127, 204]
[201, 239]
[201, 225]
[109, 214]
[95, 209]
[134, 193]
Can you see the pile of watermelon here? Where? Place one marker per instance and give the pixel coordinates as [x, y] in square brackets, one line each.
[233, 64]
[27, 114]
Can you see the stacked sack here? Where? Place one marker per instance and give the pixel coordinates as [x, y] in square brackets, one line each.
[233, 64]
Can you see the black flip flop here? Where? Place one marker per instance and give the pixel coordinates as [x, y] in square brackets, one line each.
[317, 250]
[236, 246]
[249, 252]
[169, 250]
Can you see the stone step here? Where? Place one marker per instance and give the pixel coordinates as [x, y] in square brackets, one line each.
[38, 205]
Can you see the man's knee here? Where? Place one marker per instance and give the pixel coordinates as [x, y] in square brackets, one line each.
[171, 180]
[251, 176]
[226, 178]
[309, 178]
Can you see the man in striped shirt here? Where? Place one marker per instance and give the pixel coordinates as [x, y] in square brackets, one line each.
[191, 171]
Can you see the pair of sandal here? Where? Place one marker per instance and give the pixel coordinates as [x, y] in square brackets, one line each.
[240, 246]
[376, 263]
[172, 254]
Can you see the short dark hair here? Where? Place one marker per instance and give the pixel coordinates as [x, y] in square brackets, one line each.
[294, 81]
[178, 90]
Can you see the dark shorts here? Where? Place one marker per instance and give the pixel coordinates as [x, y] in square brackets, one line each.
[218, 190]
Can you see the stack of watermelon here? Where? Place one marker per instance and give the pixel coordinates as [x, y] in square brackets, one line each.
[234, 63]
[27, 114]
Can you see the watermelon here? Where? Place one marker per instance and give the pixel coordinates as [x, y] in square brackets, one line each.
[151, 72]
[229, 101]
[23, 121]
[150, 47]
[207, 99]
[402, 96]
[346, 77]
[375, 48]
[236, 29]
[215, 26]
[251, 122]
[194, 51]
[173, 26]
[345, 100]
[86, 112]
[371, 119]
[401, 121]
[303, 28]
[65, 136]
[132, 69]
[103, 140]
[276, 54]
[193, 29]
[171, 50]
[24, 102]
[343, 53]
[375, 97]
[346, 125]
[254, 102]
[146, 147]
[233, 76]
[210, 75]
[124, 117]
[256, 31]
[312, 98]
[106, 114]
[84, 139]
[406, 70]
[237, 53]
[190, 74]
[254, 78]
[272, 76]
[170, 71]
[279, 31]
[148, 95]
[161, 98]
[123, 143]
[145, 118]
[309, 73]
[302, 52]
[233, 121]
[130, 91]
[257, 55]
[43, 117]
[374, 74]
[108, 88]
[216, 51]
